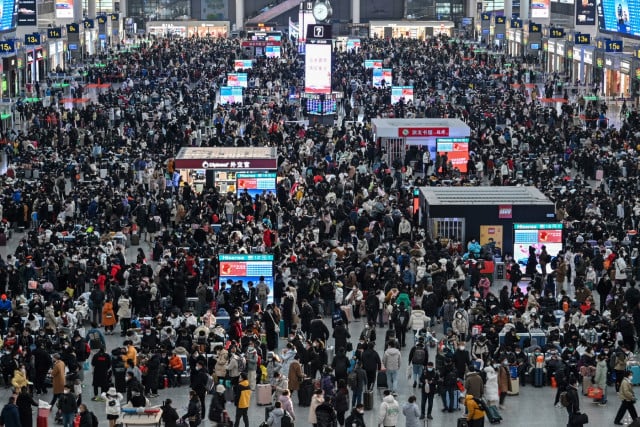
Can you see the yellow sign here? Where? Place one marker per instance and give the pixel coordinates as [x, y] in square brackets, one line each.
[491, 232]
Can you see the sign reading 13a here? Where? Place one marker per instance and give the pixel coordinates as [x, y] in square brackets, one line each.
[32, 39]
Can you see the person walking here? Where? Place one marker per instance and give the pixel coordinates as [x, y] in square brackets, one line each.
[628, 398]
[194, 410]
[356, 419]
[243, 400]
[68, 406]
[24, 402]
[475, 415]
[316, 400]
[10, 414]
[573, 399]
[101, 363]
[57, 378]
[391, 361]
[169, 414]
[411, 412]
[389, 410]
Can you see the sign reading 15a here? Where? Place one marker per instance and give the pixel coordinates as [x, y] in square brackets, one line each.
[7, 46]
[32, 39]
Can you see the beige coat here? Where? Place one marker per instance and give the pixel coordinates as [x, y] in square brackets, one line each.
[57, 375]
[295, 375]
[316, 400]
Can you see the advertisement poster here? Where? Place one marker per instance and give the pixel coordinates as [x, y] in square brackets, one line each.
[247, 267]
[242, 64]
[256, 183]
[540, 8]
[237, 79]
[231, 95]
[619, 16]
[27, 13]
[322, 108]
[381, 77]
[491, 232]
[317, 68]
[272, 51]
[214, 10]
[353, 44]
[398, 92]
[64, 9]
[586, 12]
[536, 235]
[372, 63]
[457, 153]
[8, 15]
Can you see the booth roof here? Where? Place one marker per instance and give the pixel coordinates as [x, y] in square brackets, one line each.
[520, 196]
[389, 127]
[224, 153]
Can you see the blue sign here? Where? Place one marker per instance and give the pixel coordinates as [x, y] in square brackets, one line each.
[9, 15]
[102, 36]
[7, 47]
[619, 16]
[73, 46]
[613, 46]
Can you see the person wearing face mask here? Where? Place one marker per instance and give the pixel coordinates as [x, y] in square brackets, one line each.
[356, 418]
[428, 383]
[68, 406]
[628, 399]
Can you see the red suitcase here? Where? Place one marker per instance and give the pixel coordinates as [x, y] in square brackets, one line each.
[42, 422]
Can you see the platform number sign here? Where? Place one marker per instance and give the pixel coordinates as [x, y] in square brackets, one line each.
[54, 33]
[32, 39]
[88, 23]
[73, 28]
[102, 19]
[7, 46]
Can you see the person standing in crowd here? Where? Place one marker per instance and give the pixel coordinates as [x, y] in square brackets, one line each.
[628, 399]
[389, 411]
[411, 412]
[242, 400]
[199, 384]
[356, 418]
[391, 361]
[194, 410]
[25, 404]
[316, 400]
[429, 381]
[68, 406]
[169, 414]
[113, 401]
[57, 378]
[475, 415]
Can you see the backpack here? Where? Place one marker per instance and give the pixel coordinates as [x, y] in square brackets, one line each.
[94, 340]
[94, 419]
[481, 404]
[337, 316]
[352, 380]
[242, 364]
[262, 292]
[418, 356]
[564, 399]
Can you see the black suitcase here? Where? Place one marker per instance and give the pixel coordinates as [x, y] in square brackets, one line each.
[462, 422]
[135, 239]
[538, 377]
[368, 400]
[382, 380]
[305, 392]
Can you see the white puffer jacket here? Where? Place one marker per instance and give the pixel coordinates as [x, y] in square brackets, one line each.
[418, 320]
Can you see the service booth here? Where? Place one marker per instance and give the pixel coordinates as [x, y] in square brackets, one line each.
[439, 135]
[229, 169]
[410, 29]
[514, 217]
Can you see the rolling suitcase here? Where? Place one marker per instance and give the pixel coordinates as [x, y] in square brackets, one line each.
[368, 400]
[635, 370]
[228, 394]
[462, 422]
[264, 392]
[514, 387]
[493, 415]
[135, 239]
[538, 377]
[282, 331]
[381, 381]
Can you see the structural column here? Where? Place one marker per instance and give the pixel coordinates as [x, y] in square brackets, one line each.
[239, 15]
[355, 11]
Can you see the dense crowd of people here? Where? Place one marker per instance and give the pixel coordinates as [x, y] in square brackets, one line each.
[85, 183]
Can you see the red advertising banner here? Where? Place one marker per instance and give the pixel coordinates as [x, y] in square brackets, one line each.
[505, 211]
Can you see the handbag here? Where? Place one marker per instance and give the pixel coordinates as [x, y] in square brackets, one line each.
[594, 393]
[579, 419]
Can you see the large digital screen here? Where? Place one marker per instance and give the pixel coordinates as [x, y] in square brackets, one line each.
[237, 79]
[398, 92]
[540, 8]
[586, 12]
[353, 44]
[8, 15]
[272, 51]
[242, 64]
[619, 16]
[27, 13]
[318, 107]
[255, 183]
[372, 63]
[381, 75]
[247, 267]
[317, 69]
[457, 150]
[64, 8]
[231, 95]
[537, 236]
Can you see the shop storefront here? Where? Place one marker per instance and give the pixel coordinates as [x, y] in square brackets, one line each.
[561, 58]
[514, 46]
[36, 68]
[189, 29]
[551, 63]
[578, 65]
[229, 169]
[410, 29]
[568, 60]
[635, 79]
[617, 71]
[56, 54]
[587, 58]
[10, 79]
[598, 66]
